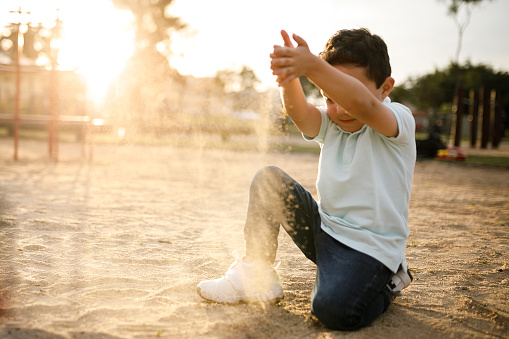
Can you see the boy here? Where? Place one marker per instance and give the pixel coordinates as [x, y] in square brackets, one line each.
[356, 232]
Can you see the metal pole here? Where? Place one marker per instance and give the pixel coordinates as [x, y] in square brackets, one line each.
[53, 126]
[18, 83]
[18, 90]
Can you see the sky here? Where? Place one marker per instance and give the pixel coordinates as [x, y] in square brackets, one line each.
[421, 37]
[221, 34]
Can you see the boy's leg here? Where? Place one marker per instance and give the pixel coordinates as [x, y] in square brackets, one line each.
[351, 287]
[275, 200]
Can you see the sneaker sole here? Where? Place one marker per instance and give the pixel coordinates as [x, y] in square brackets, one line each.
[271, 298]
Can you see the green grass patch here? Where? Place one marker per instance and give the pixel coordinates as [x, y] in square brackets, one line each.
[38, 134]
[297, 148]
[486, 160]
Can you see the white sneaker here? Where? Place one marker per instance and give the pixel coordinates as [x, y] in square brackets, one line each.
[243, 282]
[399, 281]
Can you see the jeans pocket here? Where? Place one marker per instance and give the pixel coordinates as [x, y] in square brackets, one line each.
[320, 236]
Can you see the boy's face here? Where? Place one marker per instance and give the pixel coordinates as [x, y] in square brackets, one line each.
[337, 113]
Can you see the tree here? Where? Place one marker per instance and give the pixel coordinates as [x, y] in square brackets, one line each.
[153, 25]
[461, 11]
[36, 42]
[434, 92]
[148, 69]
[240, 86]
[231, 80]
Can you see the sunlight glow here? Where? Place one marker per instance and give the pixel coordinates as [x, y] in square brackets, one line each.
[226, 34]
[199, 49]
[96, 39]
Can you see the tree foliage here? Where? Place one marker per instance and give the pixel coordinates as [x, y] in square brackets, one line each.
[435, 90]
[240, 86]
[153, 27]
[231, 80]
[147, 71]
[153, 24]
[36, 42]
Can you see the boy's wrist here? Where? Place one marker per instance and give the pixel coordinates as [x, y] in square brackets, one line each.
[316, 66]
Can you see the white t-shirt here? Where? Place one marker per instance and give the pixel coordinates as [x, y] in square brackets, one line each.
[364, 184]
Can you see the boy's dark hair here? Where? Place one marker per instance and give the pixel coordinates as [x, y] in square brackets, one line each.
[360, 48]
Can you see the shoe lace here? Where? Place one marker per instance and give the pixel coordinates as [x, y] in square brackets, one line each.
[239, 259]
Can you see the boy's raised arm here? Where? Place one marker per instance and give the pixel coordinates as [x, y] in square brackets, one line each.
[305, 116]
[348, 92]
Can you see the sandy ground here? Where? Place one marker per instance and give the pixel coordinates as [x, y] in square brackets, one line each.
[115, 249]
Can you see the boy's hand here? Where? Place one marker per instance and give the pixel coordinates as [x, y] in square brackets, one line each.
[289, 62]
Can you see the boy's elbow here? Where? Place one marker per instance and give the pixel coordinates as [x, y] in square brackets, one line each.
[309, 130]
[381, 119]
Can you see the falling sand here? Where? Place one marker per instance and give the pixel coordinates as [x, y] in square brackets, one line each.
[115, 249]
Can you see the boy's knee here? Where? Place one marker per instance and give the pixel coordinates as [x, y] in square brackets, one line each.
[335, 315]
[267, 176]
[269, 172]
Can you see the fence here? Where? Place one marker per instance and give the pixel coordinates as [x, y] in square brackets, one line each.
[484, 108]
[33, 97]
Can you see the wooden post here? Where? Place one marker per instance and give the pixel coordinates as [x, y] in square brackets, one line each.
[90, 141]
[474, 112]
[18, 82]
[459, 117]
[54, 122]
[497, 121]
[18, 93]
[83, 138]
[53, 125]
[486, 113]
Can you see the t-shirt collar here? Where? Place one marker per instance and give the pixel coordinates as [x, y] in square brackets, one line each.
[362, 129]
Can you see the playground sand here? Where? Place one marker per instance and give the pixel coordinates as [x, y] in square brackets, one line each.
[115, 249]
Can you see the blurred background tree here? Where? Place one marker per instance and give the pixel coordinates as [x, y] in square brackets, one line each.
[36, 44]
[142, 81]
[240, 86]
[232, 80]
[153, 26]
[434, 92]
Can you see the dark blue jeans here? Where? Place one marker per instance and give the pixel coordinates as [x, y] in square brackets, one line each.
[350, 289]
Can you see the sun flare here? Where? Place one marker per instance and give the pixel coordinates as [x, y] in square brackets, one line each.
[96, 39]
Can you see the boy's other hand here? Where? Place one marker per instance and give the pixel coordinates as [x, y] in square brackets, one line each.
[286, 39]
[289, 62]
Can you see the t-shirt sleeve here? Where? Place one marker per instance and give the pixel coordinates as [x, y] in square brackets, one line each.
[406, 122]
[324, 126]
